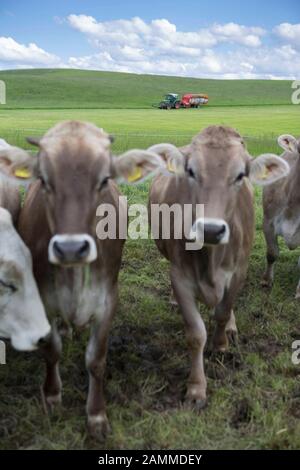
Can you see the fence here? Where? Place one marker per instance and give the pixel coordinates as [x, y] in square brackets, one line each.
[124, 141]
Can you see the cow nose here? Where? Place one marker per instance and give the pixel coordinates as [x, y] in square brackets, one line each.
[215, 233]
[210, 231]
[71, 251]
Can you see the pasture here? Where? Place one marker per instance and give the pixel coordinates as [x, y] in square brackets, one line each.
[253, 390]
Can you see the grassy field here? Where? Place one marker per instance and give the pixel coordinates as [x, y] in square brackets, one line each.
[50, 88]
[139, 128]
[253, 390]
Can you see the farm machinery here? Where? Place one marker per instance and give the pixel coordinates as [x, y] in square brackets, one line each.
[189, 100]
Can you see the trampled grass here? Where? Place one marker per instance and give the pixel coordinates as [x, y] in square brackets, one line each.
[253, 390]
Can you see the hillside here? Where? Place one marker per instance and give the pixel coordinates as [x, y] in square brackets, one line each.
[63, 88]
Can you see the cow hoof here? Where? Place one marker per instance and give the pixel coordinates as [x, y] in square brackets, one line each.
[53, 400]
[172, 300]
[50, 402]
[195, 404]
[266, 283]
[232, 336]
[221, 346]
[195, 398]
[98, 428]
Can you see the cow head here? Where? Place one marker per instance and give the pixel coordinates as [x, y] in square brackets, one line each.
[215, 166]
[22, 315]
[75, 167]
[291, 216]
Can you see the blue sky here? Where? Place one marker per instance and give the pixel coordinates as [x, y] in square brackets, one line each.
[192, 38]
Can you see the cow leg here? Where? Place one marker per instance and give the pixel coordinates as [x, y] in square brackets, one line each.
[98, 425]
[225, 320]
[196, 339]
[272, 253]
[51, 351]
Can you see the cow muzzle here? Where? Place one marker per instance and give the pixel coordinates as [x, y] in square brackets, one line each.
[72, 249]
[211, 231]
[30, 341]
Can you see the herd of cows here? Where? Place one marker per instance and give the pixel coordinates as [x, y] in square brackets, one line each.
[55, 273]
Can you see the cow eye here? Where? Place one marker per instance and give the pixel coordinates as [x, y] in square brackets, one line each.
[190, 172]
[240, 177]
[103, 183]
[8, 285]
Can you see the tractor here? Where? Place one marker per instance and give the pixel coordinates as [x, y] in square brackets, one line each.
[188, 100]
[171, 101]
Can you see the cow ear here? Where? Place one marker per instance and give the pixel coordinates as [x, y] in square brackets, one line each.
[34, 141]
[135, 166]
[17, 164]
[288, 143]
[173, 157]
[267, 169]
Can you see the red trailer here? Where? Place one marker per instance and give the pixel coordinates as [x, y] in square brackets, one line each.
[192, 100]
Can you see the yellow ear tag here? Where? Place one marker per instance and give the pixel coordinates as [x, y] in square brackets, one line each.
[22, 173]
[171, 167]
[264, 173]
[135, 175]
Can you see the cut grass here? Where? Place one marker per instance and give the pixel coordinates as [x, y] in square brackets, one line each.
[140, 128]
[253, 390]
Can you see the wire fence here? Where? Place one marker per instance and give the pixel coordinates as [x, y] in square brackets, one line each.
[126, 140]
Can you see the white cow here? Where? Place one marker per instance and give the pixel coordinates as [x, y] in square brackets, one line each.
[22, 315]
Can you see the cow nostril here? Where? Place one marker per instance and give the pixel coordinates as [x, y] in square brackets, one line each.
[58, 250]
[222, 230]
[84, 249]
[42, 341]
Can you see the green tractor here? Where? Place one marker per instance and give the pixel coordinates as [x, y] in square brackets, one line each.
[171, 101]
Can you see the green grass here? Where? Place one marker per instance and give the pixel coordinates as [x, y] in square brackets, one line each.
[51, 88]
[253, 390]
[141, 127]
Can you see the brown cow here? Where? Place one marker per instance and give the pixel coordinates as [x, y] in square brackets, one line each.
[281, 202]
[213, 170]
[75, 168]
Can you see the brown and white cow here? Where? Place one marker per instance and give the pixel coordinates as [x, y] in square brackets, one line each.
[214, 170]
[22, 314]
[76, 272]
[281, 203]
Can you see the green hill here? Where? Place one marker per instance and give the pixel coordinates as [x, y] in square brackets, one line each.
[63, 88]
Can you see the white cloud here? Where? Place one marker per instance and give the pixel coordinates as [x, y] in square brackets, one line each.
[247, 36]
[219, 51]
[162, 33]
[289, 32]
[158, 47]
[13, 52]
